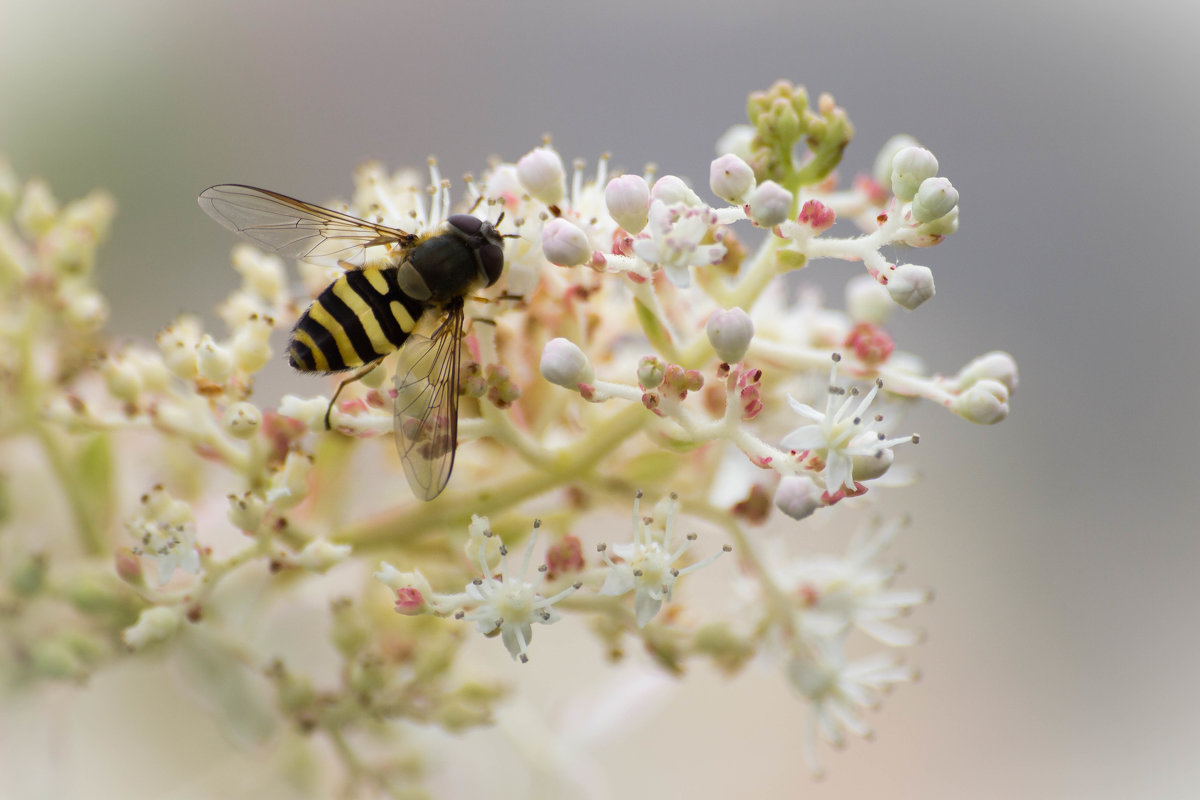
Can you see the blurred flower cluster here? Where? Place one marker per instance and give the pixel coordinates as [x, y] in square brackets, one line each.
[647, 351]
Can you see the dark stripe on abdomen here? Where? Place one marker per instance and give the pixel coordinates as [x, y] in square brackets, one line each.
[346, 317]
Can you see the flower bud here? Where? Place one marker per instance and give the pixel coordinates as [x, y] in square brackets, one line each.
[154, 625]
[769, 204]
[816, 215]
[628, 201]
[910, 285]
[731, 179]
[242, 420]
[412, 589]
[321, 554]
[310, 411]
[86, 310]
[798, 496]
[564, 244]
[564, 364]
[935, 199]
[671, 190]
[122, 380]
[867, 301]
[541, 173]
[247, 511]
[730, 332]
[251, 345]
[996, 366]
[910, 167]
[869, 467]
[985, 403]
[882, 171]
[214, 361]
[651, 371]
[290, 484]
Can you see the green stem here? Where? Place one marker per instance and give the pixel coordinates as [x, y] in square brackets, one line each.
[455, 508]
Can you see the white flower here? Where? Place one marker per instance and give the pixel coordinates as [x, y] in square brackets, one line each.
[676, 231]
[166, 534]
[840, 691]
[647, 561]
[510, 604]
[840, 435]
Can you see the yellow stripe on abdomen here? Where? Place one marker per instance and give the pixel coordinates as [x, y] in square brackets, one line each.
[320, 315]
[358, 306]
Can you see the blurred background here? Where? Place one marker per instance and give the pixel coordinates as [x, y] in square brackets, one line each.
[1062, 545]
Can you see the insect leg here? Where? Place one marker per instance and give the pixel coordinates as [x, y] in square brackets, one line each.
[358, 375]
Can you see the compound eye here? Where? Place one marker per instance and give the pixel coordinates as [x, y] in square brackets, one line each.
[466, 223]
[492, 258]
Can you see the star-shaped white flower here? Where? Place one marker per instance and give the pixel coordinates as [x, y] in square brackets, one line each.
[843, 437]
[647, 561]
[509, 603]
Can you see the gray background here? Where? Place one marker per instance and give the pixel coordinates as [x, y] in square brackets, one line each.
[1062, 657]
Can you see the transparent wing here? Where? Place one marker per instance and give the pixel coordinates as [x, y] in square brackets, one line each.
[294, 228]
[426, 409]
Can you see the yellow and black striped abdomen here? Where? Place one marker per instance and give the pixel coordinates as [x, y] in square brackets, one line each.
[361, 317]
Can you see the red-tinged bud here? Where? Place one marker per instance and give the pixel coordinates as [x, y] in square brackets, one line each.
[816, 215]
[870, 343]
[409, 601]
[564, 556]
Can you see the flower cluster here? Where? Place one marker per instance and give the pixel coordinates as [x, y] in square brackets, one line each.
[646, 339]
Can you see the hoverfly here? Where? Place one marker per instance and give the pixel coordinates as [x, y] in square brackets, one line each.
[372, 310]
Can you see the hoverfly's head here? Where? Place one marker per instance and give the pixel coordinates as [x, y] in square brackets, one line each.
[487, 242]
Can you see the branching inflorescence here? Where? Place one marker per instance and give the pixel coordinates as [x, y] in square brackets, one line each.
[644, 346]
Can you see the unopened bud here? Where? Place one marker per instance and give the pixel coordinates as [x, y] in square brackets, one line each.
[242, 420]
[628, 201]
[910, 167]
[564, 364]
[671, 190]
[996, 365]
[214, 361]
[651, 371]
[798, 496]
[564, 244]
[934, 200]
[154, 625]
[882, 171]
[910, 285]
[730, 333]
[731, 179]
[985, 403]
[769, 204]
[541, 173]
